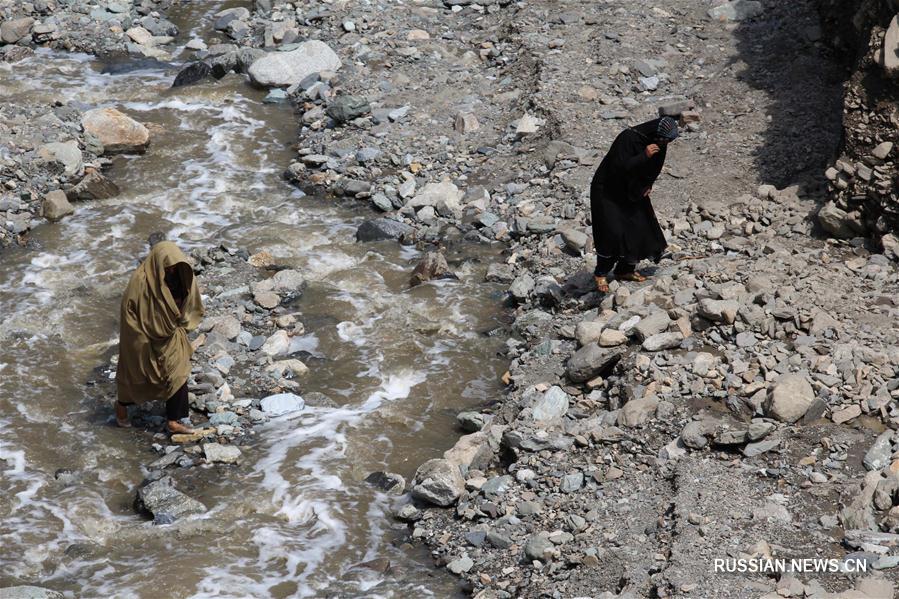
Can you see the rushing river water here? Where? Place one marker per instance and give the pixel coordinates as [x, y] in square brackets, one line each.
[295, 519]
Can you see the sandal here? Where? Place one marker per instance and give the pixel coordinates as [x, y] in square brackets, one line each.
[602, 285]
[631, 276]
[180, 429]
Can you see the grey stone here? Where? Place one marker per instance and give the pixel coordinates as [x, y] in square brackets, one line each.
[66, 153]
[281, 69]
[880, 453]
[56, 205]
[889, 53]
[281, 403]
[500, 272]
[835, 221]
[637, 411]
[29, 592]
[521, 287]
[538, 548]
[497, 485]
[789, 398]
[346, 108]
[471, 422]
[167, 504]
[382, 228]
[736, 10]
[694, 435]
[572, 482]
[388, 482]
[460, 565]
[663, 341]
[591, 361]
[655, 323]
[13, 30]
[223, 454]
[498, 540]
[438, 482]
[552, 406]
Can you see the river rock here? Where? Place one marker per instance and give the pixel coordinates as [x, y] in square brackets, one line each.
[192, 73]
[29, 592]
[166, 503]
[281, 403]
[879, 454]
[281, 69]
[346, 108]
[694, 435]
[388, 482]
[432, 266]
[789, 398]
[521, 287]
[460, 565]
[552, 406]
[13, 30]
[835, 221]
[65, 153]
[93, 186]
[474, 451]
[56, 205]
[438, 482]
[591, 361]
[117, 132]
[382, 228]
[439, 195]
[719, 310]
[223, 454]
[655, 323]
[612, 338]
[663, 341]
[889, 53]
[538, 548]
[588, 331]
[277, 344]
[638, 411]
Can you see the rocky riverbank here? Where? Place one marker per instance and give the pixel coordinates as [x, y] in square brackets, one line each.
[740, 403]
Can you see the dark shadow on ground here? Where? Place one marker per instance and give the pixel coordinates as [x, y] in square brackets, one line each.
[785, 57]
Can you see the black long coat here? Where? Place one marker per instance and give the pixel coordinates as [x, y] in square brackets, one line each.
[624, 223]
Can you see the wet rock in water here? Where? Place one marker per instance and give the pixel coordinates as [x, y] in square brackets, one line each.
[222, 454]
[29, 592]
[166, 503]
[500, 273]
[281, 403]
[432, 266]
[93, 186]
[382, 228]
[346, 108]
[388, 482]
[192, 73]
[117, 132]
[790, 398]
[591, 361]
[281, 69]
[438, 482]
[56, 205]
[471, 422]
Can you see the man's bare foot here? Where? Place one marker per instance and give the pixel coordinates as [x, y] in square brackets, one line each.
[121, 415]
[173, 426]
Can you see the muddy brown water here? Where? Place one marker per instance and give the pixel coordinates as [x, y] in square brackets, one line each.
[295, 519]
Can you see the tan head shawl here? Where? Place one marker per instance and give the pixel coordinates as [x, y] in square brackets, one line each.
[154, 352]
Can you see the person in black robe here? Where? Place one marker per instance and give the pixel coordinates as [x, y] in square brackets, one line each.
[625, 229]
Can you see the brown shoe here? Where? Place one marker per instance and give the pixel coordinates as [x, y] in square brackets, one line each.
[631, 276]
[602, 285]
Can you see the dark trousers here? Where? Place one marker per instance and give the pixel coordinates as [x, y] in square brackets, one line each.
[605, 263]
[177, 407]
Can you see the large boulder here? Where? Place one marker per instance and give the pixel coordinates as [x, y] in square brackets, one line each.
[790, 398]
[382, 228]
[192, 73]
[117, 132]
[591, 361]
[281, 69]
[438, 482]
[432, 266]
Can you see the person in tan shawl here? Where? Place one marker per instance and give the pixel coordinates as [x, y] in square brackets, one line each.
[160, 306]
